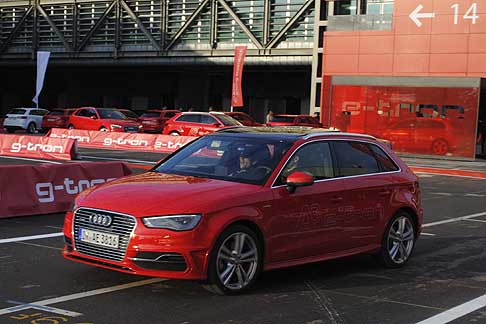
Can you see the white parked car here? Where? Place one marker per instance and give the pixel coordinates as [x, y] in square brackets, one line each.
[29, 119]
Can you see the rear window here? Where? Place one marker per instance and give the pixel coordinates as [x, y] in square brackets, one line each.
[17, 111]
[241, 117]
[57, 113]
[38, 112]
[150, 114]
[282, 119]
[355, 158]
[129, 113]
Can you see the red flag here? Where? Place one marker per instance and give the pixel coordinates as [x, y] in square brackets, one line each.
[236, 94]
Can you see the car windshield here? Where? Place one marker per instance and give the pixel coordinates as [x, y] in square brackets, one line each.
[151, 114]
[129, 114]
[17, 111]
[111, 114]
[283, 119]
[240, 159]
[229, 121]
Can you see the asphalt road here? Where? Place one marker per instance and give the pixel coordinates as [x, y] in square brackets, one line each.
[447, 270]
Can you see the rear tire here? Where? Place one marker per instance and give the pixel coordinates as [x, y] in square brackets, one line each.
[174, 133]
[234, 262]
[398, 241]
[31, 128]
[70, 126]
[10, 130]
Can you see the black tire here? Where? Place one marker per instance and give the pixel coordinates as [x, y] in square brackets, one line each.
[70, 126]
[174, 133]
[214, 283]
[31, 128]
[103, 129]
[385, 256]
[10, 130]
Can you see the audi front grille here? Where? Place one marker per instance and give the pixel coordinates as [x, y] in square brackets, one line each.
[122, 225]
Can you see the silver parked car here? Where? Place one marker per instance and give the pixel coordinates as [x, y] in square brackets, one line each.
[29, 119]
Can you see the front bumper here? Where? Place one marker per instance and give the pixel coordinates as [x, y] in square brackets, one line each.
[150, 252]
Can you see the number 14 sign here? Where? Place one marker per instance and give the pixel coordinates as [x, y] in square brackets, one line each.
[457, 11]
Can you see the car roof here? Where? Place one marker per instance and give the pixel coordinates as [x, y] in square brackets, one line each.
[288, 133]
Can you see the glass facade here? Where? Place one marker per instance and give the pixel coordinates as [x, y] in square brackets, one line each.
[420, 120]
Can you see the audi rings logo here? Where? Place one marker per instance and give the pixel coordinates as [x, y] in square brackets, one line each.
[103, 220]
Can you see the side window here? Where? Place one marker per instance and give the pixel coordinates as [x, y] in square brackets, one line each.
[354, 158]
[190, 118]
[205, 119]
[90, 112]
[81, 113]
[313, 158]
[386, 163]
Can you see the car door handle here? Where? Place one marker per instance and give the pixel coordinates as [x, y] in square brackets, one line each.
[336, 200]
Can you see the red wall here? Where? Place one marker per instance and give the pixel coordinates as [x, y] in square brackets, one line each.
[437, 48]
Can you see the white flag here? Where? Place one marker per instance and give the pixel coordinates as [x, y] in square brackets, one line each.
[42, 60]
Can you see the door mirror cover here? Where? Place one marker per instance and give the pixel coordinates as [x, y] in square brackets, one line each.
[299, 179]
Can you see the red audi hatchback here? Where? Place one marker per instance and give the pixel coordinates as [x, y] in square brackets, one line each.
[103, 119]
[56, 118]
[154, 120]
[245, 200]
[198, 123]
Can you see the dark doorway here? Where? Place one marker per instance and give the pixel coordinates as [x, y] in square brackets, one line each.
[292, 105]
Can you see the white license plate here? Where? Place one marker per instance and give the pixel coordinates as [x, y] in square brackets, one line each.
[98, 238]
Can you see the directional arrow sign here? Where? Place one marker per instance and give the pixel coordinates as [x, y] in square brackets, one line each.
[415, 15]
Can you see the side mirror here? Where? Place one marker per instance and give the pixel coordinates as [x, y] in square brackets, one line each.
[299, 179]
[93, 117]
[216, 124]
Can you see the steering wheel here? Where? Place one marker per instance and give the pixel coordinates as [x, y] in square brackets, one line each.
[264, 168]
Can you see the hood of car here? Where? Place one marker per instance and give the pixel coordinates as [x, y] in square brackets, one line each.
[153, 193]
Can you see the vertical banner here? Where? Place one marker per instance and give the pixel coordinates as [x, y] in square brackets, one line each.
[42, 61]
[236, 94]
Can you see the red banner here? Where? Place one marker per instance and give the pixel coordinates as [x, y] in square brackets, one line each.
[37, 147]
[49, 188]
[122, 141]
[237, 94]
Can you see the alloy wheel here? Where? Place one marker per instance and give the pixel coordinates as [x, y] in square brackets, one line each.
[237, 261]
[401, 239]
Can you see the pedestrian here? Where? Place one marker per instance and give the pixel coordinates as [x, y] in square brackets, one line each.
[269, 116]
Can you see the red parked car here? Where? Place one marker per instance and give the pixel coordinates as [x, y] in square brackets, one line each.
[57, 118]
[243, 118]
[294, 120]
[426, 135]
[264, 200]
[198, 123]
[102, 119]
[154, 120]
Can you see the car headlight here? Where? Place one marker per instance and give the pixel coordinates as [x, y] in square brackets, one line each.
[140, 126]
[115, 126]
[173, 222]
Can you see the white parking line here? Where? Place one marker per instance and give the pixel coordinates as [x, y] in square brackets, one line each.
[427, 234]
[457, 312]
[27, 159]
[115, 159]
[452, 220]
[85, 294]
[29, 238]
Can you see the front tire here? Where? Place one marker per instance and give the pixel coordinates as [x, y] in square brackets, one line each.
[174, 133]
[103, 129]
[398, 241]
[70, 126]
[235, 261]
